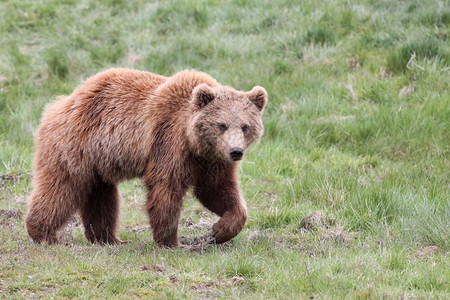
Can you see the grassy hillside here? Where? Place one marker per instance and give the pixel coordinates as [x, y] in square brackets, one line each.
[348, 191]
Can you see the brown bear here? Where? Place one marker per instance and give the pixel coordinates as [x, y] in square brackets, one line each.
[173, 132]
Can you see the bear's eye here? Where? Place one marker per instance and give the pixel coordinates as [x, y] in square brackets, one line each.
[223, 127]
[244, 128]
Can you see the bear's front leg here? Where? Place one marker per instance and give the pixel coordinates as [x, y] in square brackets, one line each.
[222, 196]
[163, 207]
[230, 224]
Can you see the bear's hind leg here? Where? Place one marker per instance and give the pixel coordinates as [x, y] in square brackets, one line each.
[52, 202]
[100, 214]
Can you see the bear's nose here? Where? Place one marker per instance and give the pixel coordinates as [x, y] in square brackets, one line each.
[236, 153]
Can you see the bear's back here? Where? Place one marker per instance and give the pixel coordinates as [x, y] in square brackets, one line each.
[102, 125]
[110, 124]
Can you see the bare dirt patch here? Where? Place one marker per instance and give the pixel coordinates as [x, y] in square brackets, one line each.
[429, 251]
[204, 290]
[157, 268]
[11, 213]
[317, 221]
[327, 227]
[14, 177]
[10, 179]
[139, 229]
[199, 244]
[204, 222]
[237, 280]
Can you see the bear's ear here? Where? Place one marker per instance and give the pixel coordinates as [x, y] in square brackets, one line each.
[202, 95]
[258, 96]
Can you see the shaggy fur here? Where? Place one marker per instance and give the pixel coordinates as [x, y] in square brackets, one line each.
[173, 132]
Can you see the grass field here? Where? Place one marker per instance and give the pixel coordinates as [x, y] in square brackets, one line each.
[357, 138]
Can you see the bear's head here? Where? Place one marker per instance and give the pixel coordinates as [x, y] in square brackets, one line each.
[225, 122]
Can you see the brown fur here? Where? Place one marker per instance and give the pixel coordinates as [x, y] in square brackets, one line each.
[123, 124]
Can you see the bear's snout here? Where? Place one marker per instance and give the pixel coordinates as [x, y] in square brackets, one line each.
[236, 153]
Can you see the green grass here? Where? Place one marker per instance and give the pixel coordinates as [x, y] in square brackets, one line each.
[357, 127]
